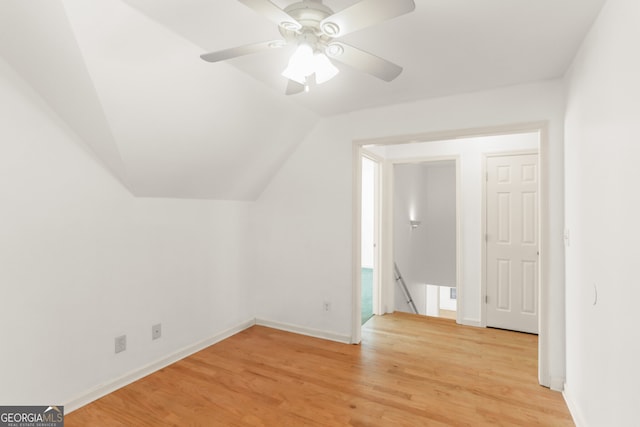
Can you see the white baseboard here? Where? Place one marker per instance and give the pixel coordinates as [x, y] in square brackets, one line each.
[576, 414]
[124, 380]
[331, 336]
[556, 384]
[135, 375]
[471, 322]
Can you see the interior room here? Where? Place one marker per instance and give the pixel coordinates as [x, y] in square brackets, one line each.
[169, 179]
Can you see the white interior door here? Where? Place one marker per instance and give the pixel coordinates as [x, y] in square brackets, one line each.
[512, 242]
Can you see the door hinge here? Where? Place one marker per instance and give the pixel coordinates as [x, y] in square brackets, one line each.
[486, 299]
[486, 176]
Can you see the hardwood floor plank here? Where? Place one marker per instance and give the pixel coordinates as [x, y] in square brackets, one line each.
[409, 370]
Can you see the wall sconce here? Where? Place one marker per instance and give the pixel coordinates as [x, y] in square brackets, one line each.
[414, 224]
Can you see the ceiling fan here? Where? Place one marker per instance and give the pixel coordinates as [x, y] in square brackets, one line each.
[313, 28]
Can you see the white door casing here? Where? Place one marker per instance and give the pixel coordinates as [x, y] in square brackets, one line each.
[512, 242]
[374, 213]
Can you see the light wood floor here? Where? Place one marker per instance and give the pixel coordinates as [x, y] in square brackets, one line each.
[409, 371]
[447, 314]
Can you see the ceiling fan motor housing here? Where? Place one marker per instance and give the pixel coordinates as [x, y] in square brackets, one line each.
[309, 13]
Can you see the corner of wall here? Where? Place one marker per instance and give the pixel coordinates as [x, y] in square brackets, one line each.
[576, 414]
[135, 375]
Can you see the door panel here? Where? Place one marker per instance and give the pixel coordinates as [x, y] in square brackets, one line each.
[504, 284]
[504, 218]
[512, 242]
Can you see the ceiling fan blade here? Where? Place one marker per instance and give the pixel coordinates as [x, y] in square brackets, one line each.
[363, 61]
[222, 55]
[364, 14]
[273, 13]
[294, 88]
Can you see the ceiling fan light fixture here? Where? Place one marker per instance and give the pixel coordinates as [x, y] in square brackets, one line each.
[313, 26]
[301, 64]
[331, 29]
[334, 50]
[324, 69]
[290, 26]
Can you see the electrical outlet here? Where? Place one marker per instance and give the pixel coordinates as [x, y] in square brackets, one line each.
[326, 305]
[156, 331]
[121, 343]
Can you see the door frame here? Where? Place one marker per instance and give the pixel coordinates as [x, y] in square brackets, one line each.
[542, 128]
[483, 219]
[377, 216]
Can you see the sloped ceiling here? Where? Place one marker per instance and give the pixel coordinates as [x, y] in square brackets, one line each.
[127, 78]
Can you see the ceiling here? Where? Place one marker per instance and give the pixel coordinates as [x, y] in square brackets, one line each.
[126, 76]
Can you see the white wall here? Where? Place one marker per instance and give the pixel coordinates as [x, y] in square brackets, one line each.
[303, 221]
[425, 254]
[82, 261]
[446, 302]
[438, 298]
[439, 259]
[602, 211]
[431, 300]
[302, 228]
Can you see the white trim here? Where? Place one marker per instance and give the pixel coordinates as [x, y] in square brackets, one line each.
[507, 153]
[483, 239]
[356, 242]
[470, 322]
[371, 156]
[446, 135]
[459, 252]
[135, 375]
[377, 235]
[387, 273]
[556, 384]
[544, 324]
[377, 238]
[574, 409]
[386, 262]
[316, 333]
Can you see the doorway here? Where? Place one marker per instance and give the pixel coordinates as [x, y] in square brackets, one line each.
[425, 234]
[370, 224]
[470, 286]
[511, 241]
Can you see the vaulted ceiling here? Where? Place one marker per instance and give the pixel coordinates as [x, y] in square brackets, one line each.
[126, 77]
